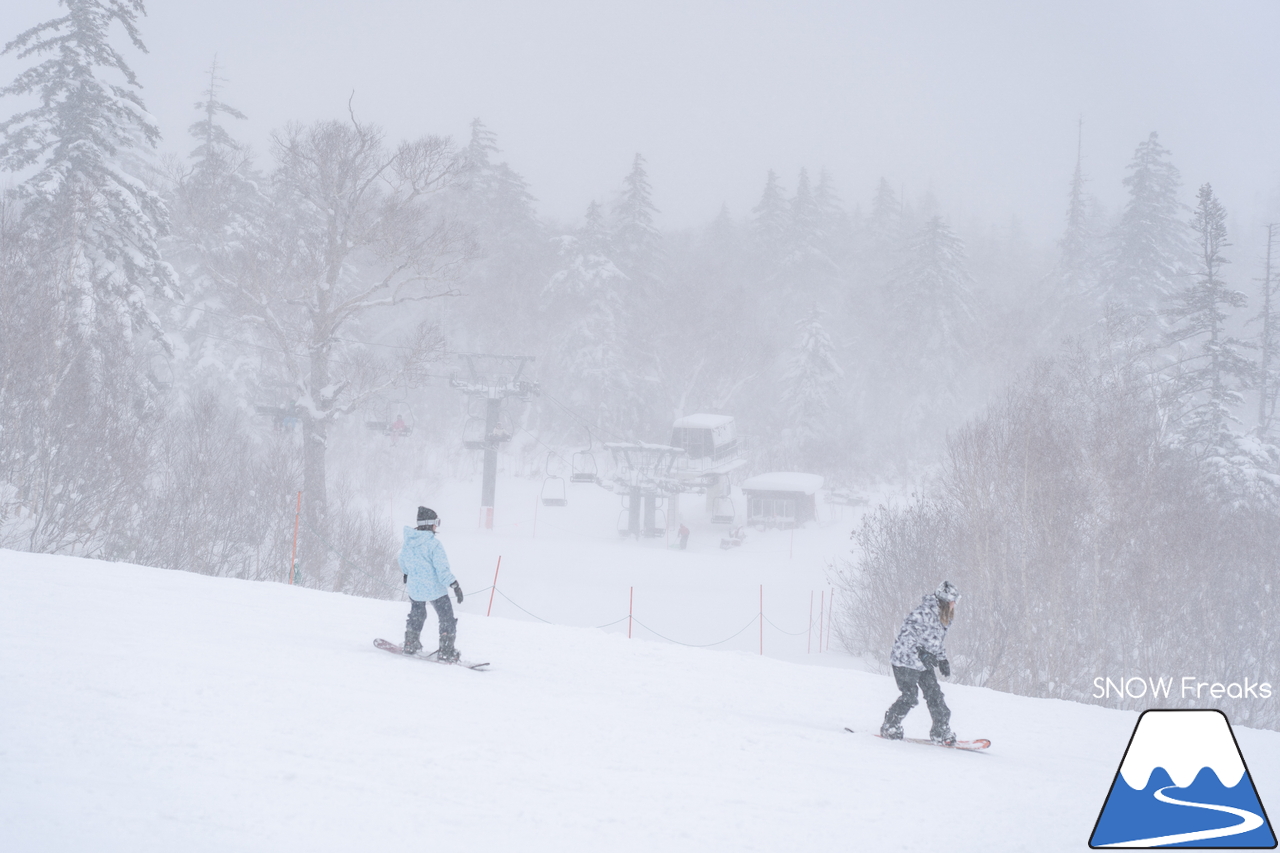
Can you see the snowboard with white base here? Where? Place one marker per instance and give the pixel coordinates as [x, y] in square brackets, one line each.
[968, 745]
[388, 646]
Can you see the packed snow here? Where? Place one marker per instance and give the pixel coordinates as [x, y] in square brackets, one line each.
[147, 709]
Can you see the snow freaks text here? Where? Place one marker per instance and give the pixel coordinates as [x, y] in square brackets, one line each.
[1187, 687]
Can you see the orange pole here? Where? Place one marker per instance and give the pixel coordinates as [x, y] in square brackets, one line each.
[631, 603]
[493, 588]
[536, 502]
[297, 516]
[761, 618]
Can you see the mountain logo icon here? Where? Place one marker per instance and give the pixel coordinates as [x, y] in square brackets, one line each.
[1183, 783]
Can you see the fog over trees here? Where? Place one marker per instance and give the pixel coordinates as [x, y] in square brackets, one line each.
[188, 340]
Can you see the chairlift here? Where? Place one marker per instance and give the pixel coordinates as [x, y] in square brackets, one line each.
[473, 434]
[723, 510]
[624, 523]
[400, 423]
[282, 419]
[584, 468]
[553, 493]
[397, 424]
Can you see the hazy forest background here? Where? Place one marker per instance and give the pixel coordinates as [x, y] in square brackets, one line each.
[192, 331]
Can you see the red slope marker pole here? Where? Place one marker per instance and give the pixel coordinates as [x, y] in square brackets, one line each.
[761, 618]
[631, 602]
[297, 516]
[493, 588]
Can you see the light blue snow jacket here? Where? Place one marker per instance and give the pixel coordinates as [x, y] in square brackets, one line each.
[422, 558]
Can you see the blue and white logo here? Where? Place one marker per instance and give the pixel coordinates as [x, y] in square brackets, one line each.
[1183, 783]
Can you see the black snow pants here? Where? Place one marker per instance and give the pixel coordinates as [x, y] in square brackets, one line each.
[909, 680]
[444, 612]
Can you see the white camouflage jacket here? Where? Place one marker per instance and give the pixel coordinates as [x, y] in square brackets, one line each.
[922, 628]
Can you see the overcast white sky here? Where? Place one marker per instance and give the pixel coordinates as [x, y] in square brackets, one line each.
[976, 101]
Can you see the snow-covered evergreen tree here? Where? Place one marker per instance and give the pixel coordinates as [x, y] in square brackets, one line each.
[931, 294]
[216, 204]
[216, 195]
[636, 247]
[931, 334]
[1211, 368]
[587, 296]
[515, 256]
[1077, 259]
[636, 241]
[770, 224]
[1149, 248]
[810, 392]
[1268, 320]
[102, 222]
[92, 229]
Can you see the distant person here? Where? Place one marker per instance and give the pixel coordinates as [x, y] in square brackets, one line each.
[426, 574]
[916, 651]
[684, 537]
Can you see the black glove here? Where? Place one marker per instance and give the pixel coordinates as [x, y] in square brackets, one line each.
[406, 579]
[926, 658]
[944, 667]
[457, 591]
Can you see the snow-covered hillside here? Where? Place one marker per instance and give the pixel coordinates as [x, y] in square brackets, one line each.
[148, 710]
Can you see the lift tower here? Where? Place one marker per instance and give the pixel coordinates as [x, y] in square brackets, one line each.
[492, 378]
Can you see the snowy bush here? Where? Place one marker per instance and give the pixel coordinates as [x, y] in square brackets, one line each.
[1085, 542]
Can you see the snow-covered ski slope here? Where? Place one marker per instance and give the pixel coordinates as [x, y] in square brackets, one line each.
[149, 710]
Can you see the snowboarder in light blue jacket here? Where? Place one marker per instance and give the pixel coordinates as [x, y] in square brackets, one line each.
[426, 574]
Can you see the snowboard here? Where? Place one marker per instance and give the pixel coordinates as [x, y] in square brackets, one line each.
[968, 745]
[388, 646]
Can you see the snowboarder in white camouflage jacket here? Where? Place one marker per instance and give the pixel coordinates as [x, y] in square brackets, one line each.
[916, 651]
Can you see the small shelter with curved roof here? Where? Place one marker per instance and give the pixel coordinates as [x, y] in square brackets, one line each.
[782, 498]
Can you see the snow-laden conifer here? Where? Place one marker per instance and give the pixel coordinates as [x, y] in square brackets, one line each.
[1149, 249]
[811, 390]
[636, 241]
[1211, 368]
[1268, 341]
[101, 222]
[769, 225]
[587, 294]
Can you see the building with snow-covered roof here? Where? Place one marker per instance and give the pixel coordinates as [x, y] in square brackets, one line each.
[781, 498]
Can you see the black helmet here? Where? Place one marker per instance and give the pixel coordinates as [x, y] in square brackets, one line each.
[427, 517]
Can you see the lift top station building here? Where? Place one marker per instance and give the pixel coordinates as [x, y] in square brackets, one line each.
[703, 452]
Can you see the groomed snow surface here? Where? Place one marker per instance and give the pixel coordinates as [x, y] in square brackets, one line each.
[150, 710]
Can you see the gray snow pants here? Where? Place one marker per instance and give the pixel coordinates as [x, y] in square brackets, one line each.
[444, 612]
[909, 681]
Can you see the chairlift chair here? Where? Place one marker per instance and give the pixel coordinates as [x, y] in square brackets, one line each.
[400, 421]
[473, 434]
[553, 493]
[584, 468]
[723, 510]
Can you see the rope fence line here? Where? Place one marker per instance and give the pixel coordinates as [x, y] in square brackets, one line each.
[759, 617]
[630, 616]
[753, 621]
